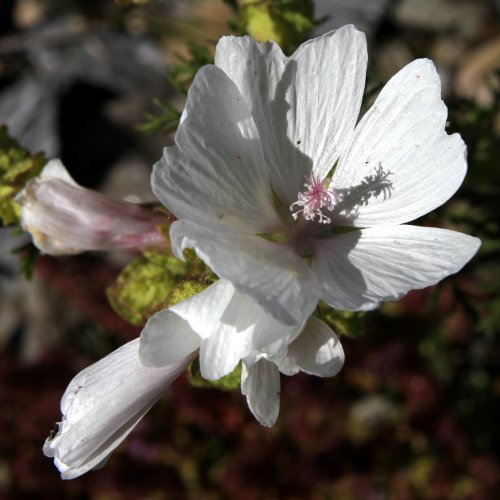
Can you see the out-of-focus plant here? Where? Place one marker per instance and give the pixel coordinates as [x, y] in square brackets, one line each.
[287, 22]
[17, 166]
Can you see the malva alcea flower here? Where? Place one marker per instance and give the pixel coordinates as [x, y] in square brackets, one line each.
[65, 218]
[258, 126]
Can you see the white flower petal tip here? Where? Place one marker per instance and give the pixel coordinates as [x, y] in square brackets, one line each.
[316, 351]
[260, 383]
[54, 169]
[102, 405]
[400, 162]
[65, 218]
[363, 268]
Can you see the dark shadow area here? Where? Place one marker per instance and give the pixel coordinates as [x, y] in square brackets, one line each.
[90, 142]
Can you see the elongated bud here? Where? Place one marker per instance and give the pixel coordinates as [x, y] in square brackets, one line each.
[65, 218]
[102, 405]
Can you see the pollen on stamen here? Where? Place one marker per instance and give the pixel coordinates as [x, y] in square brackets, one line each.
[315, 198]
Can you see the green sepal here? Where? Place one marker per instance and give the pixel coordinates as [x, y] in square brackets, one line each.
[343, 323]
[144, 285]
[17, 167]
[229, 382]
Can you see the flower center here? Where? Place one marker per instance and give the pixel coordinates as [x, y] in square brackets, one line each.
[316, 197]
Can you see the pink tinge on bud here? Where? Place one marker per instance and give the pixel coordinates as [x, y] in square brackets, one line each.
[65, 218]
[316, 197]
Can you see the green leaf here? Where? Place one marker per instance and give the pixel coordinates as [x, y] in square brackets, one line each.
[144, 285]
[17, 167]
[227, 383]
[166, 118]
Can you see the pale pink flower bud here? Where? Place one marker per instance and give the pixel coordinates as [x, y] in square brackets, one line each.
[65, 218]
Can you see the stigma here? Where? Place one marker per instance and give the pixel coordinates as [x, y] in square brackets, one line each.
[313, 200]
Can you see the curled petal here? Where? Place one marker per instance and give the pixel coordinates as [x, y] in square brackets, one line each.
[260, 383]
[317, 351]
[102, 405]
[244, 331]
[226, 325]
[274, 275]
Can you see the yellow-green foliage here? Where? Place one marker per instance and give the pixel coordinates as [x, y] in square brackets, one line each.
[17, 166]
[287, 22]
[144, 285]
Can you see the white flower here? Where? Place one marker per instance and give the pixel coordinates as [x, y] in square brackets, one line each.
[228, 327]
[102, 405]
[258, 122]
[104, 402]
[65, 218]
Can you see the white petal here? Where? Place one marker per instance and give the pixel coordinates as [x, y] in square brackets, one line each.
[401, 163]
[306, 106]
[317, 351]
[256, 69]
[243, 329]
[166, 338]
[204, 310]
[54, 169]
[328, 90]
[218, 170]
[221, 353]
[273, 274]
[360, 269]
[101, 406]
[200, 321]
[225, 324]
[260, 383]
